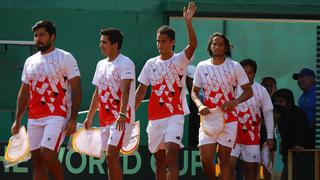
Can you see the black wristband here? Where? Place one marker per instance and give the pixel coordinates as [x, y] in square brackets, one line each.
[123, 114]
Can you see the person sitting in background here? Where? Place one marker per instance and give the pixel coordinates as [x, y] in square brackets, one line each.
[292, 125]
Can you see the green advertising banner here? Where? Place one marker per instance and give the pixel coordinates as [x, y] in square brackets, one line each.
[81, 167]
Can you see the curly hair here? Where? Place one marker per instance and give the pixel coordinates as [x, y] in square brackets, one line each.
[226, 43]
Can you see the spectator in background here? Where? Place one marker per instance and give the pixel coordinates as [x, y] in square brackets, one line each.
[270, 84]
[292, 125]
[307, 101]
[194, 118]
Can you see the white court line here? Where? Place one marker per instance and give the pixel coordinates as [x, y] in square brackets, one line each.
[22, 43]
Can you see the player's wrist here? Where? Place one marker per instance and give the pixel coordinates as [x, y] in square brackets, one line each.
[72, 120]
[88, 119]
[123, 115]
[17, 121]
[200, 106]
[236, 101]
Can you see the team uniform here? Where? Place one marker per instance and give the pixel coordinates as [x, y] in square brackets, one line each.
[249, 113]
[167, 105]
[107, 79]
[50, 96]
[218, 83]
[190, 71]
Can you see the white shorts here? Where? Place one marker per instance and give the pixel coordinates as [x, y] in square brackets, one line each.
[226, 138]
[111, 136]
[247, 153]
[165, 130]
[46, 132]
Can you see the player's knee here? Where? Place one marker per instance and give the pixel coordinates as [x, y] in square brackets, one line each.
[47, 154]
[161, 164]
[36, 159]
[255, 173]
[206, 159]
[171, 159]
[160, 157]
[111, 158]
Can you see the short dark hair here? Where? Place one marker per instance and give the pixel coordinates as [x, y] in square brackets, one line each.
[114, 35]
[168, 31]
[249, 62]
[269, 78]
[165, 29]
[286, 94]
[47, 25]
[226, 43]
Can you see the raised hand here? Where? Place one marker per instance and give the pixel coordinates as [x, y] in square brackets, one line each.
[189, 12]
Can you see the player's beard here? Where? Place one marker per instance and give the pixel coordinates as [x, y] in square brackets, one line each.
[43, 47]
[218, 53]
[221, 55]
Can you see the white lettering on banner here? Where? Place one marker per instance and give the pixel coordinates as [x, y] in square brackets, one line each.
[95, 165]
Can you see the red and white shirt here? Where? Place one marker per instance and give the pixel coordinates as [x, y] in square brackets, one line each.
[249, 113]
[48, 75]
[108, 78]
[219, 83]
[167, 79]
